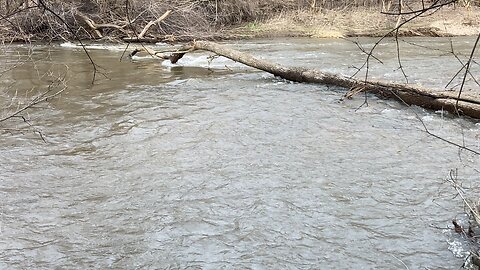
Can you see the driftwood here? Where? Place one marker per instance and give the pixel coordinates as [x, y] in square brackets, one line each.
[407, 94]
[96, 28]
[145, 29]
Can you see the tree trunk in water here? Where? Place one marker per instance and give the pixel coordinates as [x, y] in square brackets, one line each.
[468, 105]
[408, 94]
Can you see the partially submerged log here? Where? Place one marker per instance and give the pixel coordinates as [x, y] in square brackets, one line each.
[407, 94]
[174, 57]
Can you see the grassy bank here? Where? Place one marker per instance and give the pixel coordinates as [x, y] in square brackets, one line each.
[449, 21]
[216, 19]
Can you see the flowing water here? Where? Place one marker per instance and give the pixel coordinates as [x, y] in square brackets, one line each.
[213, 165]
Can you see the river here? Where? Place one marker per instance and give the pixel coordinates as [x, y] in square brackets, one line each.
[213, 165]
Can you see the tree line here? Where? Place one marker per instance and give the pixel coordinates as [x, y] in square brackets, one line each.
[27, 19]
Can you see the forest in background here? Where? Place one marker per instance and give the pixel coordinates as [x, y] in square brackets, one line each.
[46, 20]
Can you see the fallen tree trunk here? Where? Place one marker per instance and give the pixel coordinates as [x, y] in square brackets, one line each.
[407, 94]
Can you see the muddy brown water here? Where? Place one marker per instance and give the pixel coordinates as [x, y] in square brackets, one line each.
[213, 165]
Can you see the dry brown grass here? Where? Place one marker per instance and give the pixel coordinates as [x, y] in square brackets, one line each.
[368, 22]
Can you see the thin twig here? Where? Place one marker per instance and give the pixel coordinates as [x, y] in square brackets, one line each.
[74, 33]
[467, 68]
[406, 267]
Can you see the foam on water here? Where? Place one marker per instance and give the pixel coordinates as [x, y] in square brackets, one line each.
[112, 47]
[69, 45]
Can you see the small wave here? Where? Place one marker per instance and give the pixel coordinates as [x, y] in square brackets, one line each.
[68, 45]
[93, 46]
[204, 60]
[458, 248]
[390, 112]
[106, 47]
[428, 118]
[145, 57]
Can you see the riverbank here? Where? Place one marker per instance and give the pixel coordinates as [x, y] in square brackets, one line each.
[449, 21]
[70, 21]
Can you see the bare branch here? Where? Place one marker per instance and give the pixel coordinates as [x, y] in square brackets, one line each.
[467, 68]
[74, 33]
[42, 97]
[161, 18]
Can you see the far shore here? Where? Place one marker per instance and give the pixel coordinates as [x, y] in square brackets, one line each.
[449, 21]
[446, 22]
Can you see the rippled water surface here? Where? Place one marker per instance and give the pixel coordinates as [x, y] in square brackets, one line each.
[218, 166]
